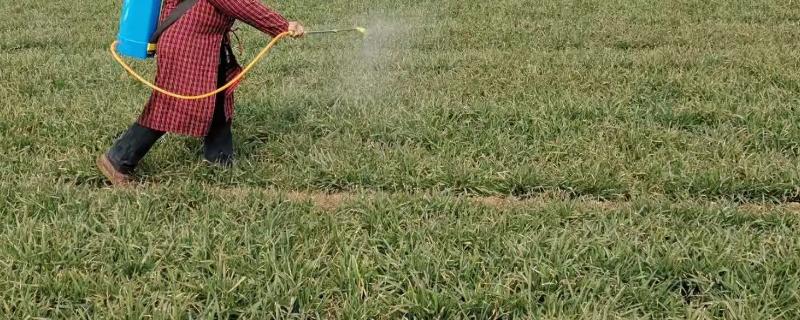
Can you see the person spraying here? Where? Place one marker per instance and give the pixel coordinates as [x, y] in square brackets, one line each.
[194, 56]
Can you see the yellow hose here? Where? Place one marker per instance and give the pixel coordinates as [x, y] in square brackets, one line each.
[238, 77]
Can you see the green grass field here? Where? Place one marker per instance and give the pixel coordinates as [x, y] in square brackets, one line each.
[591, 159]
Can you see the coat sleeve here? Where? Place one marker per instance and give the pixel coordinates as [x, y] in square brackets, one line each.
[254, 13]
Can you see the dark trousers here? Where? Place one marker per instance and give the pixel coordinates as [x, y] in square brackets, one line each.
[134, 144]
[218, 142]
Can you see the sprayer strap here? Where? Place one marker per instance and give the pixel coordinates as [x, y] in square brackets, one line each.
[176, 14]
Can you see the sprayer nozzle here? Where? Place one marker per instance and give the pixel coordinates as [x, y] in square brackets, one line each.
[362, 30]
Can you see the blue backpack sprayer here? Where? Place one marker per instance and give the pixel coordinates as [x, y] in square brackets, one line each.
[139, 30]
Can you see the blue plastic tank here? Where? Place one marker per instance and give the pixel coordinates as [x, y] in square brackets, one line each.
[136, 26]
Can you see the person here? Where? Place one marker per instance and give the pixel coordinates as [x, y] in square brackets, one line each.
[194, 57]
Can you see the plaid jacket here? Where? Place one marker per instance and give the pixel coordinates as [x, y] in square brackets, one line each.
[188, 60]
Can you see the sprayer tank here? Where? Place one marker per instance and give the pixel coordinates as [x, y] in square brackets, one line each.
[137, 24]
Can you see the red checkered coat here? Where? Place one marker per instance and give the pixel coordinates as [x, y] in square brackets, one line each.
[188, 59]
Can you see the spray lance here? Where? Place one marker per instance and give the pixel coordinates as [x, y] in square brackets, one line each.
[139, 31]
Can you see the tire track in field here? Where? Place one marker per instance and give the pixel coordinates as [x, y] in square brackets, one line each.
[331, 201]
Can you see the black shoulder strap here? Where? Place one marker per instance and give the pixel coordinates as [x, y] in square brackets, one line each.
[176, 14]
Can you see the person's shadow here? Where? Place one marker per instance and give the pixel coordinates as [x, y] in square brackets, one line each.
[257, 126]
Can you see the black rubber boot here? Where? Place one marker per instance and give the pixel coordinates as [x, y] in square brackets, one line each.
[131, 147]
[218, 144]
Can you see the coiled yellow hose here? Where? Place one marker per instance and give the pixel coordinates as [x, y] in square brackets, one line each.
[233, 81]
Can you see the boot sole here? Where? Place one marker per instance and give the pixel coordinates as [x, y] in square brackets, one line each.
[117, 178]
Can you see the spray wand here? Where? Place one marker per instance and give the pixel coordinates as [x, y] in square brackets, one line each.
[233, 81]
[359, 29]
